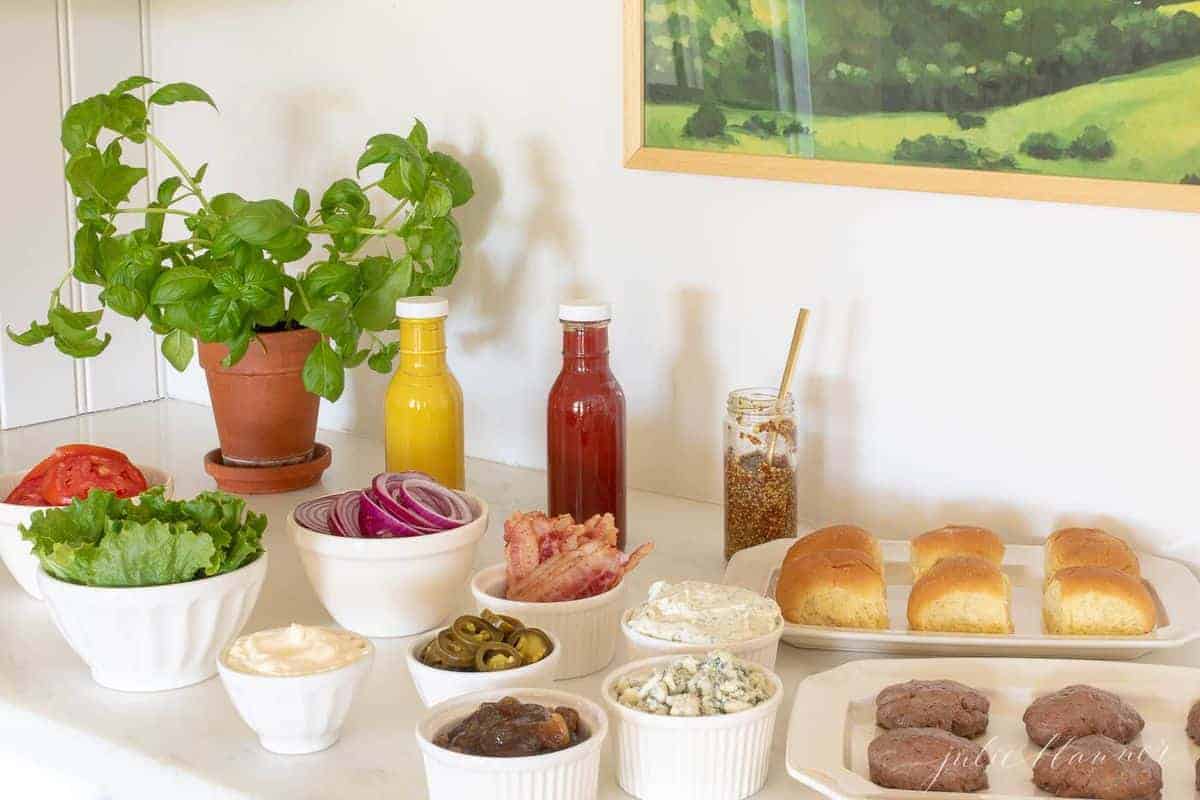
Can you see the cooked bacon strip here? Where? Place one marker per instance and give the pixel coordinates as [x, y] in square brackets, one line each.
[553, 558]
[590, 569]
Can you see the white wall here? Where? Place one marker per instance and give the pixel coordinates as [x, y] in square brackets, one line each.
[53, 54]
[1013, 363]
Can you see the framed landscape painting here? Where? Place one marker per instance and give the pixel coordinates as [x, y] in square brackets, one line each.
[1087, 101]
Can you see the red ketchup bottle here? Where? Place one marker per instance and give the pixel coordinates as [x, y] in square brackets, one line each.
[585, 421]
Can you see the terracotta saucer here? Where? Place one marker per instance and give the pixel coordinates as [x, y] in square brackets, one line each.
[267, 480]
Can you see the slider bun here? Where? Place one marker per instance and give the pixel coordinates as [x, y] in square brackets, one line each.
[832, 588]
[1097, 601]
[838, 537]
[961, 594]
[1089, 547]
[954, 540]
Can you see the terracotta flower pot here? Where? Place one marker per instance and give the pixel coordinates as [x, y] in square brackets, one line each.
[265, 417]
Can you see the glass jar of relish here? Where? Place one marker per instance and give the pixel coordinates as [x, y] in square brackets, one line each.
[760, 468]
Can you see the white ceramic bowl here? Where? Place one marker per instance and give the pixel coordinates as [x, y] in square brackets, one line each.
[390, 587]
[150, 638]
[722, 757]
[570, 774]
[761, 649]
[435, 685]
[17, 553]
[587, 628]
[295, 714]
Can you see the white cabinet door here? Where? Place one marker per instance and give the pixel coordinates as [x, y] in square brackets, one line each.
[52, 54]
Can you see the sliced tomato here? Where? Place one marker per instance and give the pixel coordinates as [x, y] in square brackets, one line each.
[29, 490]
[76, 473]
[80, 449]
[27, 493]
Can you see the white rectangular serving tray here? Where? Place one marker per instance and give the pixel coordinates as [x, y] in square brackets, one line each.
[833, 720]
[1173, 584]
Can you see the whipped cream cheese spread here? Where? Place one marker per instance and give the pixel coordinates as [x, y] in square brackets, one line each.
[695, 612]
[295, 650]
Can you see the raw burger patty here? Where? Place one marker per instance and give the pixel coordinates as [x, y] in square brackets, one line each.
[927, 759]
[1193, 723]
[948, 705]
[1078, 711]
[1096, 766]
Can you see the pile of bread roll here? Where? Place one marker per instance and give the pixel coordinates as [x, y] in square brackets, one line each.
[834, 577]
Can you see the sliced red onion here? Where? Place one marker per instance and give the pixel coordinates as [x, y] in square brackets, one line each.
[314, 514]
[375, 522]
[397, 504]
[343, 516]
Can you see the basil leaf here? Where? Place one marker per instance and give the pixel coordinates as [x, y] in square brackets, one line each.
[385, 148]
[227, 204]
[261, 221]
[172, 93]
[376, 309]
[328, 317]
[404, 179]
[262, 285]
[328, 277]
[178, 347]
[126, 115]
[323, 373]
[437, 199]
[83, 348]
[36, 334]
[237, 347]
[199, 176]
[221, 319]
[82, 123]
[87, 256]
[455, 175]
[178, 284]
[301, 203]
[125, 300]
[381, 359]
[418, 137]
[167, 189]
[445, 243]
[132, 82]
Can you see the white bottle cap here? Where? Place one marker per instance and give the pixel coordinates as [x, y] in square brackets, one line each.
[584, 311]
[422, 307]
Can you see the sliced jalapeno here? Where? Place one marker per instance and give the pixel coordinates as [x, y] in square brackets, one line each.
[455, 653]
[532, 643]
[501, 622]
[496, 656]
[431, 654]
[474, 630]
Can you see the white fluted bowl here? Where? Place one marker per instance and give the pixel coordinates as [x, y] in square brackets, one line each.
[15, 552]
[761, 650]
[587, 628]
[295, 714]
[435, 685]
[724, 757]
[150, 638]
[570, 774]
[390, 587]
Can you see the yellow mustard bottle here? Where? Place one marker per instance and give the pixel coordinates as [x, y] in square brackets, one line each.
[423, 412]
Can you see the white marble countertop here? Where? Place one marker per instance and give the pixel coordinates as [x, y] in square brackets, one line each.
[72, 738]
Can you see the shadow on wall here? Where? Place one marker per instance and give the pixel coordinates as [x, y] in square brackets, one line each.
[682, 431]
[496, 290]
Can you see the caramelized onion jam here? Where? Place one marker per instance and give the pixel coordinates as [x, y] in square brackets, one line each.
[509, 728]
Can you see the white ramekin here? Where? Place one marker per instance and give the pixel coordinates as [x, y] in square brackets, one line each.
[17, 553]
[390, 587]
[150, 638]
[295, 714]
[761, 649]
[722, 757]
[587, 628]
[435, 685]
[570, 774]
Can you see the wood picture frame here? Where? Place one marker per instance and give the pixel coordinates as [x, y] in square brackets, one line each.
[1015, 185]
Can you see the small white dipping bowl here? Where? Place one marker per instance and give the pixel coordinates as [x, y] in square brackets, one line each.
[17, 553]
[150, 638]
[390, 587]
[295, 714]
[722, 757]
[761, 649]
[570, 774]
[587, 628]
[435, 685]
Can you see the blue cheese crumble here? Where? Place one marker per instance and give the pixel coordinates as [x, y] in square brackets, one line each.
[693, 687]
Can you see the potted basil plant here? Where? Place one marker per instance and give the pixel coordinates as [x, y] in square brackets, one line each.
[271, 341]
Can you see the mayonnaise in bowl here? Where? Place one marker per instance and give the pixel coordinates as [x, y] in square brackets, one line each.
[295, 650]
